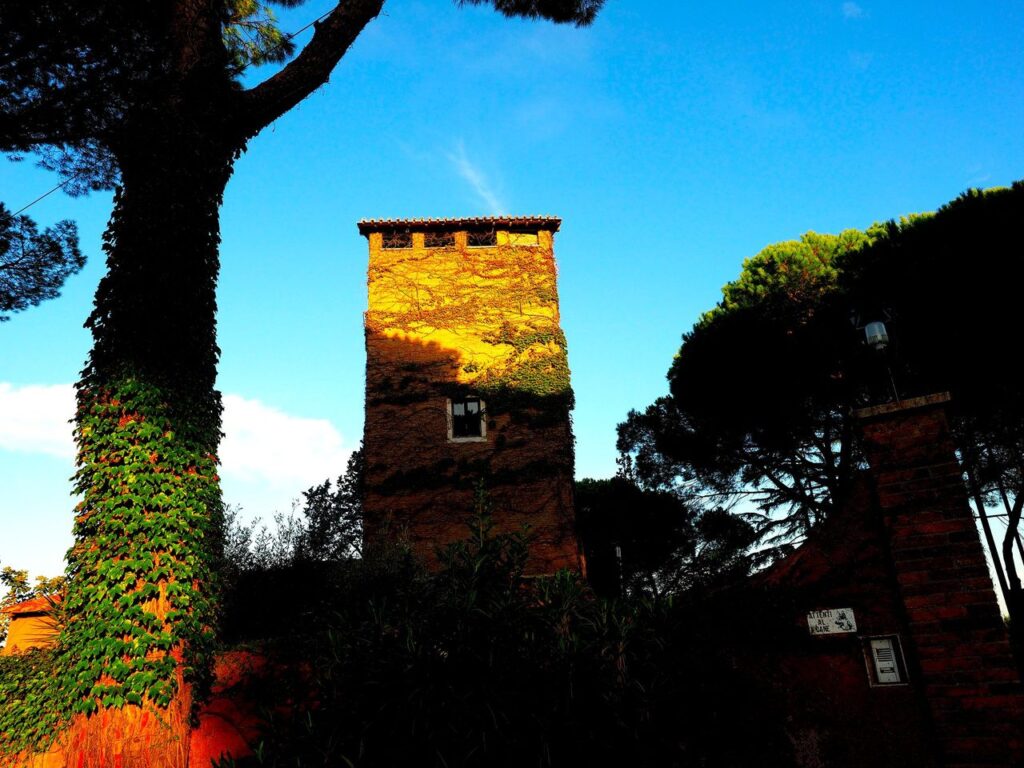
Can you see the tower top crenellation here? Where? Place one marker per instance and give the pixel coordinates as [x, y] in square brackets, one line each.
[549, 223]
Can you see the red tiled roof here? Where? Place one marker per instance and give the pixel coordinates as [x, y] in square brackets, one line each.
[33, 605]
[366, 226]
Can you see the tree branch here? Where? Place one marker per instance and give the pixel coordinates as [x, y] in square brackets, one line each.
[310, 69]
[196, 35]
[1012, 524]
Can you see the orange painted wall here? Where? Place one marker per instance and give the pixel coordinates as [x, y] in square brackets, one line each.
[32, 630]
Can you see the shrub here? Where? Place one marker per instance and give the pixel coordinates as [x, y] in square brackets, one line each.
[475, 665]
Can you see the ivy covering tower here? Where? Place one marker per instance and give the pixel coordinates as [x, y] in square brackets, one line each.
[467, 384]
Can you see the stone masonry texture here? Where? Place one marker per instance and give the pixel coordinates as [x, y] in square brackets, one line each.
[467, 308]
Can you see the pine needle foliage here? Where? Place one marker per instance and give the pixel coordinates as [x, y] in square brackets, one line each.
[34, 264]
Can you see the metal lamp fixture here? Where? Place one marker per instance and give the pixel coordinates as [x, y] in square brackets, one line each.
[876, 335]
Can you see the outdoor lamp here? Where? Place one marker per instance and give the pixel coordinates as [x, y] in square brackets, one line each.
[877, 337]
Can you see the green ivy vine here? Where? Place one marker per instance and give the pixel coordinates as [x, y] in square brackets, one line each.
[33, 701]
[141, 603]
[141, 570]
[526, 378]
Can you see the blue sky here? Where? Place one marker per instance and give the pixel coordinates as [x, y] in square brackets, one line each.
[673, 139]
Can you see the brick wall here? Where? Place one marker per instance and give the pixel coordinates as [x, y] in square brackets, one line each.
[968, 675]
[836, 716]
[905, 557]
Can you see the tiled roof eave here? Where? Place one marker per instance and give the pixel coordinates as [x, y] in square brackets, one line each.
[35, 605]
[551, 223]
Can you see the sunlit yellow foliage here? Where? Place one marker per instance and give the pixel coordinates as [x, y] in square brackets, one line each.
[494, 307]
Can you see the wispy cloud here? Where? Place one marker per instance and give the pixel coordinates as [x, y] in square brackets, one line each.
[478, 182]
[852, 11]
[261, 444]
[979, 177]
[35, 419]
[861, 60]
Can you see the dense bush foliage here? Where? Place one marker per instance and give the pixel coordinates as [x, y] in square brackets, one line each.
[378, 662]
[474, 665]
[33, 703]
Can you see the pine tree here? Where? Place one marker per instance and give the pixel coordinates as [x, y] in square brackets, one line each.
[34, 264]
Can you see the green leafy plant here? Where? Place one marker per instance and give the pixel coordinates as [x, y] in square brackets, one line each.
[475, 665]
[34, 702]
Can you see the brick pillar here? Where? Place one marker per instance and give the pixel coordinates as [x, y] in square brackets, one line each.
[957, 635]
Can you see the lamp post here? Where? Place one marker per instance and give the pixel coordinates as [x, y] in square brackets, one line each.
[876, 336]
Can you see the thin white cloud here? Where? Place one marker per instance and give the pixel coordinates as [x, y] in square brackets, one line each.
[264, 443]
[852, 11]
[978, 175]
[35, 419]
[861, 60]
[261, 444]
[476, 179]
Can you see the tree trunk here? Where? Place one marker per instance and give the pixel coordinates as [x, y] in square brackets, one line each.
[142, 588]
[1013, 515]
[1008, 507]
[986, 526]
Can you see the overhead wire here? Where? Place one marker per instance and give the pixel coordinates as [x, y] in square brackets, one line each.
[46, 194]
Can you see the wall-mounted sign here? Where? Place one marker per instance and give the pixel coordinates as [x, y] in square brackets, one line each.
[832, 621]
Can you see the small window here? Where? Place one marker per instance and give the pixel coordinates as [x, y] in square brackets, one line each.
[396, 239]
[438, 239]
[481, 239]
[466, 419]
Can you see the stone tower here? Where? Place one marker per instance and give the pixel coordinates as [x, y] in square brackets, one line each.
[467, 384]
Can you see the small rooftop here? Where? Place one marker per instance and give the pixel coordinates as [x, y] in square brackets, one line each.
[552, 223]
[32, 605]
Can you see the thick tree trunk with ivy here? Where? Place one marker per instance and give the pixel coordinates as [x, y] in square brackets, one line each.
[137, 648]
[142, 589]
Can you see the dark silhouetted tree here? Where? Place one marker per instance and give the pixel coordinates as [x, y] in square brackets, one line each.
[762, 388]
[640, 541]
[333, 528]
[950, 284]
[759, 404]
[34, 264]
